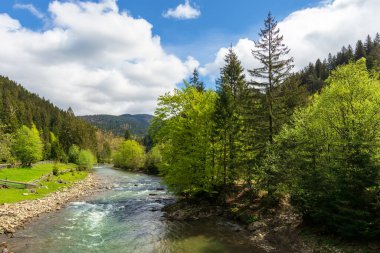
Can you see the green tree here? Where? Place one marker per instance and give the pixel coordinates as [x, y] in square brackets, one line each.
[232, 92]
[360, 50]
[5, 146]
[196, 82]
[183, 127]
[153, 160]
[56, 150]
[86, 159]
[74, 154]
[130, 155]
[28, 146]
[330, 154]
[271, 52]
[127, 135]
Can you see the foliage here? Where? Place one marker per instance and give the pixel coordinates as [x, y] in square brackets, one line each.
[19, 107]
[56, 151]
[331, 154]
[86, 159]
[55, 170]
[28, 145]
[314, 75]
[275, 68]
[183, 127]
[5, 146]
[127, 134]
[228, 135]
[130, 155]
[196, 82]
[153, 160]
[74, 154]
[137, 124]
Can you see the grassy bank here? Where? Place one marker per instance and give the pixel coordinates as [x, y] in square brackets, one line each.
[51, 184]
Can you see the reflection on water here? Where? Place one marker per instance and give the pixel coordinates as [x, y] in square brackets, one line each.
[127, 218]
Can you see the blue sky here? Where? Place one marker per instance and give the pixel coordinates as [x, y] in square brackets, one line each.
[117, 57]
[220, 24]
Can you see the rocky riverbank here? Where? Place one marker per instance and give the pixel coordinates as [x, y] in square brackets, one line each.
[14, 216]
[271, 232]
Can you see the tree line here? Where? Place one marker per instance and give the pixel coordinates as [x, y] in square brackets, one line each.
[274, 134]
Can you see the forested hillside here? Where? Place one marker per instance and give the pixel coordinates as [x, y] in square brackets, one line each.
[58, 129]
[315, 74]
[136, 124]
[312, 136]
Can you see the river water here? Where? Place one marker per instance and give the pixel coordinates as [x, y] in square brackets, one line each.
[127, 218]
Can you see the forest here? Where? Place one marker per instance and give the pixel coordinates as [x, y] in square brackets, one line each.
[33, 129]
[312, 136]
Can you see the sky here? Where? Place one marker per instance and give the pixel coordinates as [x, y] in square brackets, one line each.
[116, 57]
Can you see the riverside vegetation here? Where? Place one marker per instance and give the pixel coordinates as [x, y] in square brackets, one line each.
[310, 138]
[278, 151]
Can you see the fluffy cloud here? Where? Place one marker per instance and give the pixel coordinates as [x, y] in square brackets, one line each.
[183, 11]
[94, 58]
[314, 32]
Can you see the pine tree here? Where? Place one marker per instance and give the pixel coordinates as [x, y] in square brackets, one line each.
[271, 52]
[196, 82]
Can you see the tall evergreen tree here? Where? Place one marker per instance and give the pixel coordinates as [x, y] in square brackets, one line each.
[271, 52]
[232, 90]
[196, 82]
[368, 45]
[360, 51]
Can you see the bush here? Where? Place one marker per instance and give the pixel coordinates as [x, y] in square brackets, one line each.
[55, 170]
[86, 160]
[130, 155]
[153, 160]
[74, 154]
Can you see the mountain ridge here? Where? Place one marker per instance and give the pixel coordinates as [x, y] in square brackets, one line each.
[137, 124]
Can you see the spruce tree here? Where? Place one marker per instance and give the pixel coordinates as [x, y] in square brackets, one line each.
[276, 67]
[359, 50]
[196, 82]
[232, 91]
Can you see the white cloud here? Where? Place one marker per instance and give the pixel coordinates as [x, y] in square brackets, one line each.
[93, 58]
[31, 9]
[312, 33]
[183, 11]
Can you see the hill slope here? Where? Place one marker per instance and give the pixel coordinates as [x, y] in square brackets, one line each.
[137, 124]
[20, 107]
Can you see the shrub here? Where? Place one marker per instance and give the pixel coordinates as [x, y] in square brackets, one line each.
[86, 160]
[130, 155]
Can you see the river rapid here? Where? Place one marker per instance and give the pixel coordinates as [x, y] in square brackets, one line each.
[127, 218]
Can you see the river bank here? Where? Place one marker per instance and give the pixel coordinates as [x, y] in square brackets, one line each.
[14, 216]
[276, 229]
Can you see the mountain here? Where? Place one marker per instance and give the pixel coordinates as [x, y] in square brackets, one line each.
[137, 124]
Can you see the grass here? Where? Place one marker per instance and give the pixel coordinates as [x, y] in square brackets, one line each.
[33, 173]
[12, 195]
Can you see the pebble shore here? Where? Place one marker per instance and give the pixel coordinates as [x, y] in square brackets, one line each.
[14, 216]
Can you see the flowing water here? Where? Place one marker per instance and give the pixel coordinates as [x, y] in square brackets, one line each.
[127, 218]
